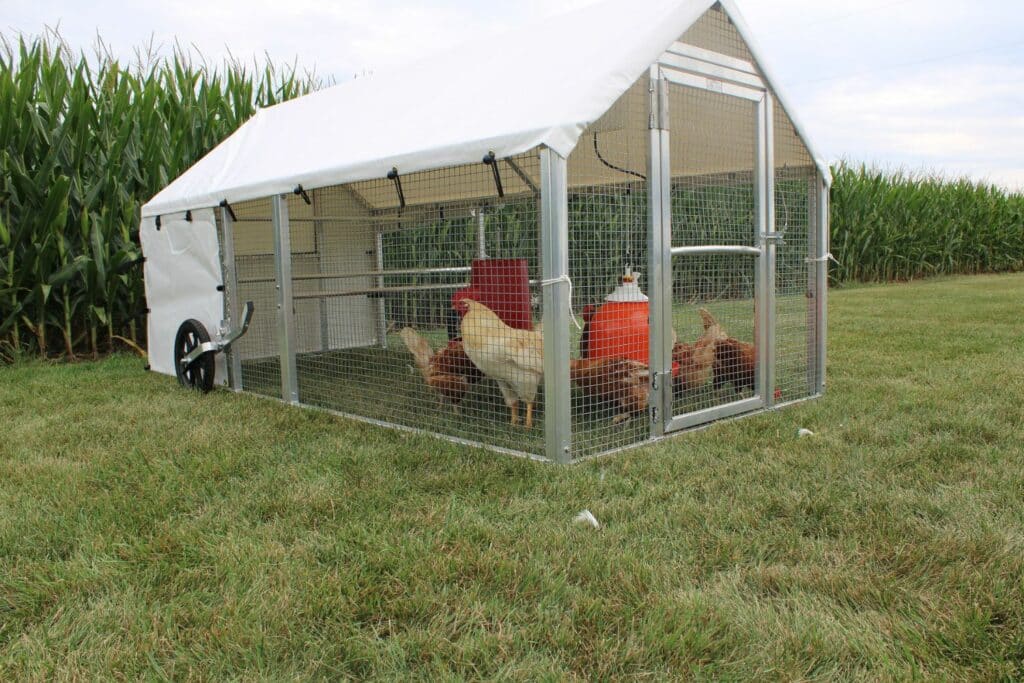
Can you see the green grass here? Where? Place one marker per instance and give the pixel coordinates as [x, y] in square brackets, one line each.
[146, 532]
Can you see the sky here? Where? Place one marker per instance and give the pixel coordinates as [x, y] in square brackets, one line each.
[932, 86]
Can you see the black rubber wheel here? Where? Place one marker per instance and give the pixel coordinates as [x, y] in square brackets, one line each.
[199, 374]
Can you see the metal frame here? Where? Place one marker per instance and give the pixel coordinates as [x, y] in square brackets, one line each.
[285, 303]
[554, 240]
[659, 250]
[766, 237]
[382, 311]
[715, 249]
[706, 70]
[821, 317]
[230, 294]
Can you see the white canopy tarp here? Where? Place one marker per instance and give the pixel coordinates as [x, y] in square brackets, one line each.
[509, 93]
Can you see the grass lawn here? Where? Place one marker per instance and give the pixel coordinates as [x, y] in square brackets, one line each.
[146, 532]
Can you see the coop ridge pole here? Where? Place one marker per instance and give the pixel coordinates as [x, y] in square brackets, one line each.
[554, 239]
[231, 295]
[821, 319]
[285, 316]
[659, 242]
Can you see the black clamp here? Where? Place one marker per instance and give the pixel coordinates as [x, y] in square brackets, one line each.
[188, 216]
[393, 176]
[128, 265]
[158, 223]
[231, 212]
[491, 161]
[302, 193]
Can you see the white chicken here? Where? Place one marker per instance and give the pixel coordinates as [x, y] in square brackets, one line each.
[513, 358]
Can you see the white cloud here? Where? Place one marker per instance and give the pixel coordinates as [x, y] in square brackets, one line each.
[963, 119]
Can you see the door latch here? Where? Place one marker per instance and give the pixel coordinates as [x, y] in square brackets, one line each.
[775, 238]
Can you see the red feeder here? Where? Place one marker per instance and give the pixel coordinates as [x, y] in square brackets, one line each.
[502, 285]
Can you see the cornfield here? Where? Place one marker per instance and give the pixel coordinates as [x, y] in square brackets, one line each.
[85, 141]
[898, 226]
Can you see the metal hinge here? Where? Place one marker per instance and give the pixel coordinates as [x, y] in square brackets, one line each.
[659, 104]
[773, 237]
[654, 414]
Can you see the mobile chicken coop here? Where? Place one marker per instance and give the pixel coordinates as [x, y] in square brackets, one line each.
[611, 215]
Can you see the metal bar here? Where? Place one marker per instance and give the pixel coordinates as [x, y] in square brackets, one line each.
[231, 295]
[522, 175]
[707, 70]
[379, 291]
[382, 312]
[285, 310]
[224, 342]
[770, 313]
[365, 273]
[761, 229]
[659, 265]
[320, 245]
[715, 413]
[812, 284]
[821, 321]
[557, 307]
[687, 50]
[712, 85]
[481, 234]
[715, 249]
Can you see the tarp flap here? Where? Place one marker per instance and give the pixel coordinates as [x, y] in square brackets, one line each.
[507, 93]
[182, 273]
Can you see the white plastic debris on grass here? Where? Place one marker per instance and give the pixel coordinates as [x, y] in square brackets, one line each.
[587, 517]
[805, 432]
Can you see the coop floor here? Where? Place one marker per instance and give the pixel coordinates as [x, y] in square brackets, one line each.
[384, 384]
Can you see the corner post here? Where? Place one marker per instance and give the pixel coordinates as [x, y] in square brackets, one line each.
[554, 238]
[231, 311]
[766, 204]
[285, 305]
[821, 312]
[659, 250]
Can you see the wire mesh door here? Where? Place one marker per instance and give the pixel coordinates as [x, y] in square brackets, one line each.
[715, 257]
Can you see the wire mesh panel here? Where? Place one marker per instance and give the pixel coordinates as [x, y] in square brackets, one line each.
[608, 209]
[419, 301]
[715, 31]
[258, 350]
[796, 213]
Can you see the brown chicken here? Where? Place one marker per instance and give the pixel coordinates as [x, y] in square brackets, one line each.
[449, 371]
[735, 360]
[696, 361]
[621, 381]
